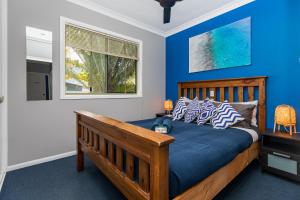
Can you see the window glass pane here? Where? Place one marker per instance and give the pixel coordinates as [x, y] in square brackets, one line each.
[121, 75]
[131, 76]
[85, 72]
[75, 74]
[98, 64]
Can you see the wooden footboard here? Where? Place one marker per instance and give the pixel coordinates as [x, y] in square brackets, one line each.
[136, 160]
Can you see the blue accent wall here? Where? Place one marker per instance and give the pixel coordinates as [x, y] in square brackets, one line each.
[275, 52]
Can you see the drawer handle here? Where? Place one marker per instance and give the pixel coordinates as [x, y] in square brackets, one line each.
[281, 155]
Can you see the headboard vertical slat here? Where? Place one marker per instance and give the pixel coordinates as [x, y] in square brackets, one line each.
[222, 94]
[250, 93]
[204, 93]
[241, 94]
[192, 93]
[198, 93]
[185, 92]
[235, 89]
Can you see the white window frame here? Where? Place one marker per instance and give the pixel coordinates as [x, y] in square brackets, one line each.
[63, 22]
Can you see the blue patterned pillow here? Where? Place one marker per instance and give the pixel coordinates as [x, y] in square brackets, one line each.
[226, 116]
[179, 109]
[207, 111]
[193, 110]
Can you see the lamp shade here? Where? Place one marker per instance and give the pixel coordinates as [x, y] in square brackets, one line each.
[285, 115]
[168, 105]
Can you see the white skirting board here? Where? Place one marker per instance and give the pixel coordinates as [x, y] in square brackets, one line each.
[40, 161]
[2, 177]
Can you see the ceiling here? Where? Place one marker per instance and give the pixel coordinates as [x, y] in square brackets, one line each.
[148, 14]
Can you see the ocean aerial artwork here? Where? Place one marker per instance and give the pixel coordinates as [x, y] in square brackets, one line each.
[224, 47]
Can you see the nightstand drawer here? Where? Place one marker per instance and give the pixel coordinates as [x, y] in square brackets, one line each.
[283, 164]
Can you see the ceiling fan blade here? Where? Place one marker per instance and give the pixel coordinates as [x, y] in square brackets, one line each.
[167, 15]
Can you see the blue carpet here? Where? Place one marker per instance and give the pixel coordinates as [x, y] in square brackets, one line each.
[59, 180]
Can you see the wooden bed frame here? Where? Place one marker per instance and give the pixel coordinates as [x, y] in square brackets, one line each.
[107, 140]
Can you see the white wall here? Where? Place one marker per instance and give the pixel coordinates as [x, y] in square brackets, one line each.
[43, 128]
[3, 88]
[1, 110]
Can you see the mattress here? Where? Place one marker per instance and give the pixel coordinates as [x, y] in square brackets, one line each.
[199, 151]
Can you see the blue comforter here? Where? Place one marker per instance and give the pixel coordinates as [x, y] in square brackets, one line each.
[199, 151]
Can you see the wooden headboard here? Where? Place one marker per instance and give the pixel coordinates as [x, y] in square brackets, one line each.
[236, 89]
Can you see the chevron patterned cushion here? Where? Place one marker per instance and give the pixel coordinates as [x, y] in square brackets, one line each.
[225, 117]
[193, 110]
[179, 110]
[207, 111]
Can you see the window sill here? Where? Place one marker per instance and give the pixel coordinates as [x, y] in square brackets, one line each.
[108, 96]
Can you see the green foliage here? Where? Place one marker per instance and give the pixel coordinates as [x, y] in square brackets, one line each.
[102, 73]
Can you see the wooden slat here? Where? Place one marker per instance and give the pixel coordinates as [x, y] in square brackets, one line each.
[179, 90]
[86, 135]
[129, 165]
[185, 92]
[103, 147]
[82, 132]
[111, 152]
[96, 142]
[231, 97]
[91, 138]
[144, 173]
[241, 94]
[192, 93]
[119, 158]
[222, 94]
[204, 93]
[250, 93]
[198, 93]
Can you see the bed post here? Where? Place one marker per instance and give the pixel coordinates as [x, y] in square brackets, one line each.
[159, 173]
[80, 154]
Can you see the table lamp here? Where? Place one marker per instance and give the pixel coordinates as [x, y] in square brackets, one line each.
[285, 116]
[168, 106]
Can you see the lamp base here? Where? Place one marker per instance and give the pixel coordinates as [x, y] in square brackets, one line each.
[292, 128]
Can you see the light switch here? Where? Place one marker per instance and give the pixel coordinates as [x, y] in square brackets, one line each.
[212, 93]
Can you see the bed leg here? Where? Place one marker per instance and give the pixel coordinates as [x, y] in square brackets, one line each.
[80, 160]
[80, 154]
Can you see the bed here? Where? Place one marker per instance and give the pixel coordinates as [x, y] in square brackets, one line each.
[143, 164]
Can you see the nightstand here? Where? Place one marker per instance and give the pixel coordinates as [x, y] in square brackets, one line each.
[280, 154]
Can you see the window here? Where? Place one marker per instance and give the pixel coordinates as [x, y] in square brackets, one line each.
[98, 63]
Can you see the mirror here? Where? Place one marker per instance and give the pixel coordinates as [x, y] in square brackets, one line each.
[39, 64]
